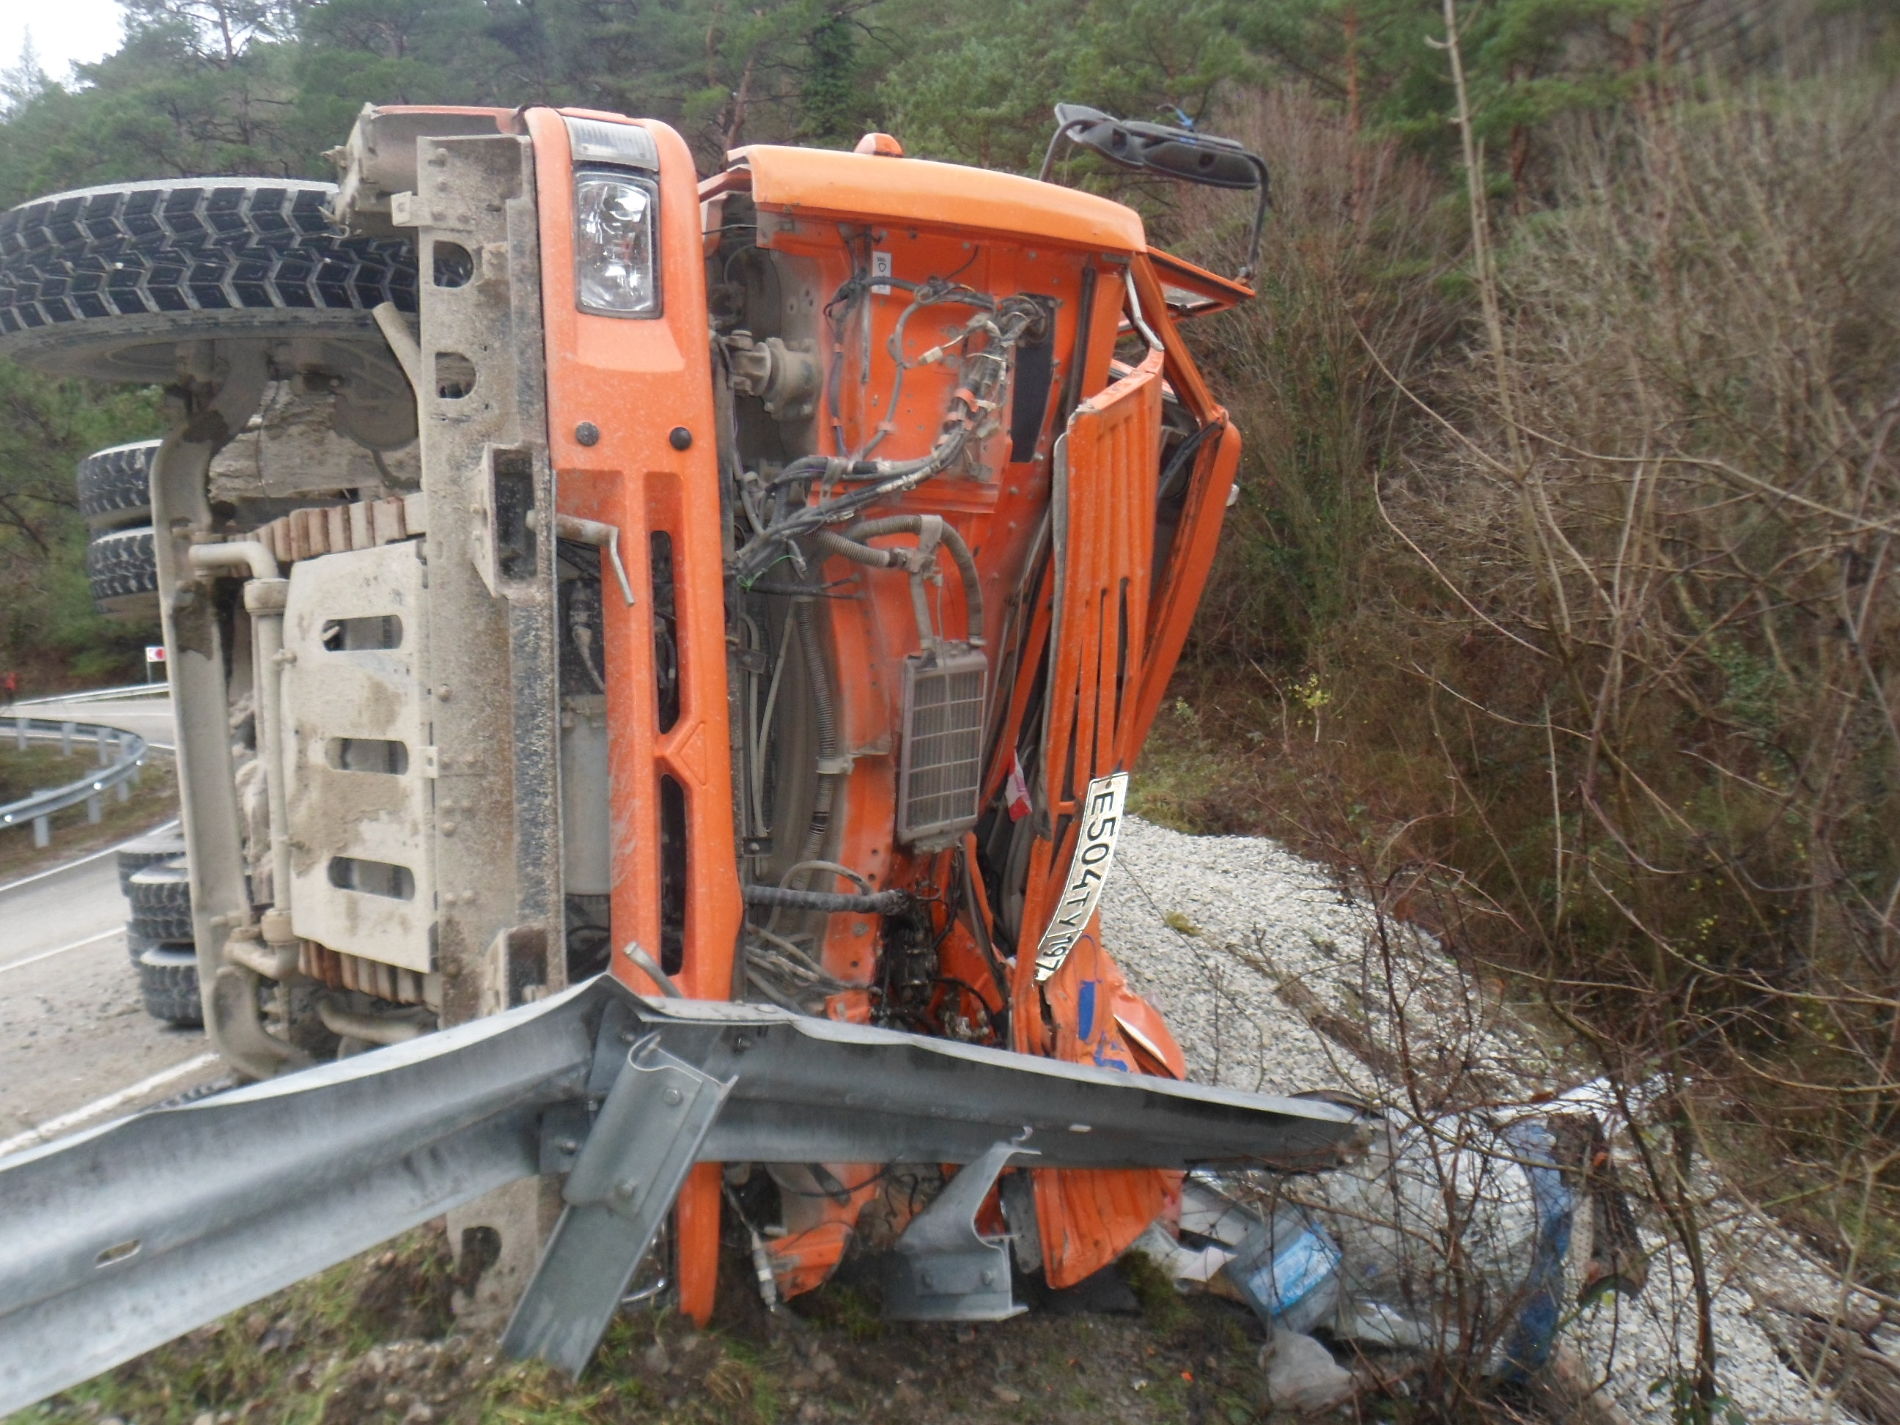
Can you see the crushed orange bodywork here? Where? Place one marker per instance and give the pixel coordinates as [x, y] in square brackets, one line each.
[1084, 601]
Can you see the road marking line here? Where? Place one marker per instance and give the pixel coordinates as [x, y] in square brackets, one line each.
[104, 1105]
[66, 866]
[76, 945]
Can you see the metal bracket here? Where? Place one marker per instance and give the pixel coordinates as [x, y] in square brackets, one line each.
[942, 1268]
[643, 1145]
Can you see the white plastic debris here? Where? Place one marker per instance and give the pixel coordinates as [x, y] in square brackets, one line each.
[1301, 1374]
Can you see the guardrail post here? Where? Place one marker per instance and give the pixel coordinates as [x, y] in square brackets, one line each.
[19, 734]
[99, 737]
[95, 805]
[42, 830]
[65, 739]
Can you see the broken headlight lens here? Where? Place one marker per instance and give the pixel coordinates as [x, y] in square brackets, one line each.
[614, 272]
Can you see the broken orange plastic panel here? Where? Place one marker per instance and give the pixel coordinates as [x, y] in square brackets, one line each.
[1103, 530]
[1193, 291]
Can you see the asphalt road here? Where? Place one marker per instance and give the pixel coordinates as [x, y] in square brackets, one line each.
[76, 1047]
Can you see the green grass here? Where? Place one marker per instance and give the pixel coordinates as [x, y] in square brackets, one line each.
[1161, 1305]
[1179, 780]
[366, 1342]
[25, 770]
[153, 800]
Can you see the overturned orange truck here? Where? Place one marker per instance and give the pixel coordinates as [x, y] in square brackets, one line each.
[666, 803]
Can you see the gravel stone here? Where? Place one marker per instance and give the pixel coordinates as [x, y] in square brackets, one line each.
[1244, 947]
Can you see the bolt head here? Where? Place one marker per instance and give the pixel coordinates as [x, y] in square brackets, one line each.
[680, 438]
[587, 433]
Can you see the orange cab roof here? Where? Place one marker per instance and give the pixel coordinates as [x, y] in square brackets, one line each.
[939, 195]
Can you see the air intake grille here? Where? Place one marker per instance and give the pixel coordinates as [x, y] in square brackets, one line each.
[941, 765]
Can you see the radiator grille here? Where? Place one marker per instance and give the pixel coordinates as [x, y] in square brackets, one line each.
[941, 765]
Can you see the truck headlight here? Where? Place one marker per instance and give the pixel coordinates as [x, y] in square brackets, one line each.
[614, 273]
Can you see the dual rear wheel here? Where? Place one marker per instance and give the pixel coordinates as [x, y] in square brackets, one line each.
[157, 887]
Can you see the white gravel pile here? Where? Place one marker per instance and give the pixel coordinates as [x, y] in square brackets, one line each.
[1275, 978]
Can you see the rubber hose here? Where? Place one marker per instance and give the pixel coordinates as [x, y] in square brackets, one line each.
[850, 544]
[831, 542]
[877, 903]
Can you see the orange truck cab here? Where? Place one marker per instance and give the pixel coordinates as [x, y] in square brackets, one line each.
[760, 594]
[931, 564]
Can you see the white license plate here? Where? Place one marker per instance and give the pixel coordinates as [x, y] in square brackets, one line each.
[1088, 872]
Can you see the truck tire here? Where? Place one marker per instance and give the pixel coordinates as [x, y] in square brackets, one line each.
[160, 897]
[104, 282]
[168, 983]
[115, 485]
[122, 568]
[146, 851]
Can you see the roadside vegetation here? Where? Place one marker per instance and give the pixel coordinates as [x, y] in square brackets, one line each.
[1559, 604]
[371, 1343]
[153, 800]
[51, 639]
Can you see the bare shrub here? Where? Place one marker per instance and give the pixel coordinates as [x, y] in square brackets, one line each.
[1666, 505]
[1356, 247]
[1595, 602]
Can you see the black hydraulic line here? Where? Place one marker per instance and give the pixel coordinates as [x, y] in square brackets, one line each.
[792, 590]
[850, 543]
[876, 903]
[983, 373]
[833, 542]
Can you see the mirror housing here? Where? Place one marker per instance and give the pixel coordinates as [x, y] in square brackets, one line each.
[1162, 148]
[1167, 150]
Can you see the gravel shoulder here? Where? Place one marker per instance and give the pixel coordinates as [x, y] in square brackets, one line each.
[1274, 976]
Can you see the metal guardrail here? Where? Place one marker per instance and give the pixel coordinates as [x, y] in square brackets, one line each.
[100, 695]
[121, 755]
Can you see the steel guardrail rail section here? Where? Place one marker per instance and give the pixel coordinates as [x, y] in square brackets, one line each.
[116, 1240]
[39, 806]
[99, 695]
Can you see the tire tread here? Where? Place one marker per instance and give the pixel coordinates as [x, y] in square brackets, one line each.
[168, 985]
[160, 897]
[114, 486]
[122, 570]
